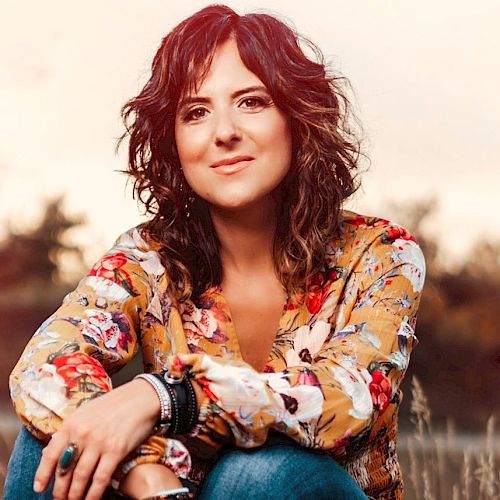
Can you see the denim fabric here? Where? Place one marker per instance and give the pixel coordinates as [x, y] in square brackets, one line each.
[22, 467]
[279, 470]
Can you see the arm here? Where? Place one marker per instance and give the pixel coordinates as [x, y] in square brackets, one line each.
[343, 369]
[66, 364]
[93, 334]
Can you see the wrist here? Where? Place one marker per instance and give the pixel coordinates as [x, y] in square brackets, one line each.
[151, 402]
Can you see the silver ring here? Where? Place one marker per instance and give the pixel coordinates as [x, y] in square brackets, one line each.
[68, 458]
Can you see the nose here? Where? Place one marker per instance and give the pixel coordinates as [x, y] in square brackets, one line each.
[226, 130]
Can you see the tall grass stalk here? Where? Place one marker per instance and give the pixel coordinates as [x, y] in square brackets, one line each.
[431, 465]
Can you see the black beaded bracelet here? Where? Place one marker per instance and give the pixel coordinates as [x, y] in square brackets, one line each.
[192, 403]
[181, 396]
[184, 413]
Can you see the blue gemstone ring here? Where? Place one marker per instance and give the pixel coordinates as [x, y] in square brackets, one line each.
[68, 458]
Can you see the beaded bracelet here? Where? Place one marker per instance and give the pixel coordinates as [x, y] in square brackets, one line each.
[175, 415]
[166, 403]
[192, 403]
[179, 394]
[178, 404]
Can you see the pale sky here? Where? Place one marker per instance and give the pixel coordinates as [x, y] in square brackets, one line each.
[426, 76]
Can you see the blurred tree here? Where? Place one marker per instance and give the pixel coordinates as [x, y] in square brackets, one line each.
[30, 281]
[35, 255]
[458, 356]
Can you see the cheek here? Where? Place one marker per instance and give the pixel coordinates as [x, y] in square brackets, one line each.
[279, 139]
[191, 145]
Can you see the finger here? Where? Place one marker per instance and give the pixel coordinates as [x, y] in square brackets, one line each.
[82, 473]
[48, 462]
[64, 475]
[62, 483]
[102, 477]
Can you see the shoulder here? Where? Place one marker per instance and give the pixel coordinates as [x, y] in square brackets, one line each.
[369, 226]
[133, 249]
[136, 238]
[365, 238]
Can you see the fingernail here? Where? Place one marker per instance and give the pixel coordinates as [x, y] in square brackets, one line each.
[37, 487]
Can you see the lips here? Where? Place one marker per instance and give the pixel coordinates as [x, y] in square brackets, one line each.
[229, 166]
[231, 161]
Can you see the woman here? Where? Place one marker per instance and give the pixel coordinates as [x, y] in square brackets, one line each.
[283, 322]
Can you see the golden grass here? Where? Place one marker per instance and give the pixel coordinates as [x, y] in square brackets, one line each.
[432, 471]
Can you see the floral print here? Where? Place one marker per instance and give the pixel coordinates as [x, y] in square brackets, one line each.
[332, 380]
[102, 326]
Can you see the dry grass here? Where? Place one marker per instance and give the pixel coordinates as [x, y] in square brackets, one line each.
[433, 470]
[432, 467]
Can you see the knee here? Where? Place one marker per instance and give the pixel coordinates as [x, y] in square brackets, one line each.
[279, 472]
[23, 463]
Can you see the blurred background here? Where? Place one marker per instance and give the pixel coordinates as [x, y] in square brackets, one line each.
[425, 78]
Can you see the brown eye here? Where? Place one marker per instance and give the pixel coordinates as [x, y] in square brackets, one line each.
[195, 114]
[254, 102]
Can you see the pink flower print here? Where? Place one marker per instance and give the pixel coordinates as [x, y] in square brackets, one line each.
[101, 328]
[199, 323]
[381, 391]
[110, 268]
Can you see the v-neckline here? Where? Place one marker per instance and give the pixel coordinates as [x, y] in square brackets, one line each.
[233, 334]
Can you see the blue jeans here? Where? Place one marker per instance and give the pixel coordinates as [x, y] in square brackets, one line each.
[279, 470]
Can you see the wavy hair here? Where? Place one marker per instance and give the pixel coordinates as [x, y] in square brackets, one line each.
[325, 148]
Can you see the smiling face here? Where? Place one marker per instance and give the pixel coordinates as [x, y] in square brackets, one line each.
[234, 144]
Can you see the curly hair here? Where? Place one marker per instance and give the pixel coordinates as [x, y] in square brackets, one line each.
[325, 148]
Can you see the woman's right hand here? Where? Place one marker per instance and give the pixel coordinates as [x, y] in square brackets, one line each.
[145, 480]
[105, 430]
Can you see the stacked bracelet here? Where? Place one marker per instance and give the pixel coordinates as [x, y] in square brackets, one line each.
[165, 402]
[183, 392]
[179, 410]
[176, 404]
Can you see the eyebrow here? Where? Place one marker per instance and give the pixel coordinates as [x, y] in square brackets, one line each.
[234, 95]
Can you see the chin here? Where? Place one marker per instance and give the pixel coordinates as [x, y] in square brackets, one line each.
[236, 203]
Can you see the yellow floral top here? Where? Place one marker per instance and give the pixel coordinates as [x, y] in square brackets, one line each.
[331, 382]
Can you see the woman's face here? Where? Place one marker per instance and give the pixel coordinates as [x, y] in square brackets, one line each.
[234, 144]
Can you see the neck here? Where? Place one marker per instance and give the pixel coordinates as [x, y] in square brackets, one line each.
[246, 238]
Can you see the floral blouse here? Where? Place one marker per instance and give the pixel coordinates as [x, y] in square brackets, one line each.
[331, 381]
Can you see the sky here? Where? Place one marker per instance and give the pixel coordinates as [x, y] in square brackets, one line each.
[425, 77]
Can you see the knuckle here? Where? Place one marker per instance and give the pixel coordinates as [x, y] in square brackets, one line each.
[78, 435]
[118, 447]
[80, 476]
[50, 454]
[101, 479]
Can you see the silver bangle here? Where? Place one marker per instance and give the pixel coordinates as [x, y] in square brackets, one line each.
[162, 393]
[175, 493]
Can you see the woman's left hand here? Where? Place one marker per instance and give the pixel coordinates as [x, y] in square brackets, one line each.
[104, 430]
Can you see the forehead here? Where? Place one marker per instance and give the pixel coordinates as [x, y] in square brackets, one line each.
[226, 73]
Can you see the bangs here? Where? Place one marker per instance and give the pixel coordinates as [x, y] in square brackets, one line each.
[194, 56]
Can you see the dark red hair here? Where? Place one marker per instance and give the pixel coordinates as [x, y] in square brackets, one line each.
[324, 159]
